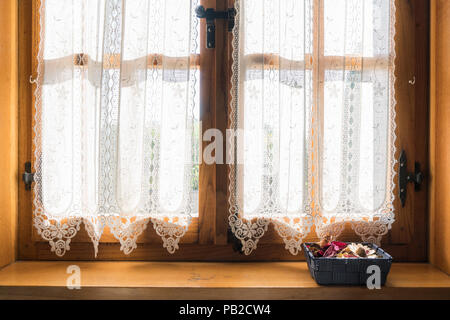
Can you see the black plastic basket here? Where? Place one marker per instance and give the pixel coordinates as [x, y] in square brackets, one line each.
[346, 271]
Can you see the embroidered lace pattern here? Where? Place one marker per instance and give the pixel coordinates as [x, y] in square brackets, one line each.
[114, 123]
[317, 112]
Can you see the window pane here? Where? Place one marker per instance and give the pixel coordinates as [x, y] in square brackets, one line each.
[356, 27]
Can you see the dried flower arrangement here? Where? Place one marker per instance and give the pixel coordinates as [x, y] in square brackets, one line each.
[328, 248]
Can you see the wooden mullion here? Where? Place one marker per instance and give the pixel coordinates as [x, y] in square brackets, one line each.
[222, 79]
[207, 172]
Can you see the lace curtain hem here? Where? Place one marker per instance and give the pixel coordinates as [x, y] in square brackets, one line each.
[60, 232]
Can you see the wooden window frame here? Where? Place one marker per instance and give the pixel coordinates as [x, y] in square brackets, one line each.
[208, 237]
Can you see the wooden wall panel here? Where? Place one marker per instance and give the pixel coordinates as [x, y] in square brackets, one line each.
[8, 130]
[440, 136]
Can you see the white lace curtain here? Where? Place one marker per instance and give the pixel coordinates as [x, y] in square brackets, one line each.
[313, 94]
[114, 122]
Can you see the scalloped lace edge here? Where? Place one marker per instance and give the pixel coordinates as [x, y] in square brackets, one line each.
[60, 232]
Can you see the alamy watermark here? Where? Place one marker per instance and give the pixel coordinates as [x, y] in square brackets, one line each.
[74, 279]
[214, 153]
[374, 280]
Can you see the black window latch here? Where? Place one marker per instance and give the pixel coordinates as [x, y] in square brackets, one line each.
[28, 176]
[210, 15]
[406, 177]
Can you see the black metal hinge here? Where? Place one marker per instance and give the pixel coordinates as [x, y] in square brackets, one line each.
[406, 177]
[210, 15]
[28, 176]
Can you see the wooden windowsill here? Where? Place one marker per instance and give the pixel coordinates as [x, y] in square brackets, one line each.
[208, 280]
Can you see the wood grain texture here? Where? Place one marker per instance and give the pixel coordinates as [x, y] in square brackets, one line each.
[9, 176]
[419, 240]
[432, 134]
[440, 137]
[241, 281]
[187, 252]
[412, 28]
[223, 83]
[26, 69]
[207, 180]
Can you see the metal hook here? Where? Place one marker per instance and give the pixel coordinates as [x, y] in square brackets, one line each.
[33, 81]
[413, 81]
